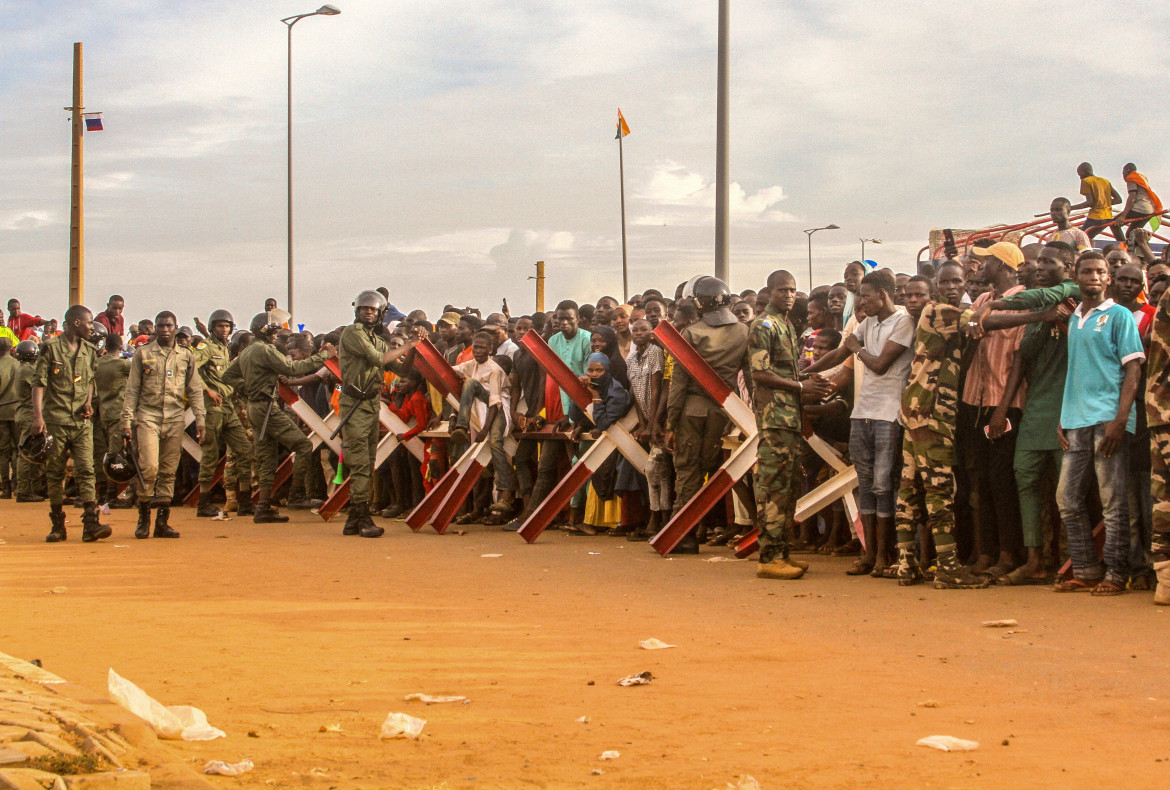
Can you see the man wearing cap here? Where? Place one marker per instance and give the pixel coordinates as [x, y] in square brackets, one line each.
[163, 381]
[222, 428]
[999, 536]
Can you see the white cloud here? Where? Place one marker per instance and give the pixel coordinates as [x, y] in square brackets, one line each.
[674, 195]
[29, 220]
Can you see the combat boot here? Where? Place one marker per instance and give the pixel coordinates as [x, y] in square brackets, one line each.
[688, 545]
[244, 506]
[206, 509]
[161, 528]
[267, 514]
[142, 531]
[952, 575]
[231, 503]
[91, 527]
[368, 528]
[1162, 591]
[909, 572]
[505, 503]
[23, 498]
[778, 568]
[802, 564]
[57, 530]
[353, 521]
[6, 489]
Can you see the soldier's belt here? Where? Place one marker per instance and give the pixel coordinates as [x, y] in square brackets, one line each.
[353, 392]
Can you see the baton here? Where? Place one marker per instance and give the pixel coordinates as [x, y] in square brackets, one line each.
[365, 396]
[137, 470]
[268, 411]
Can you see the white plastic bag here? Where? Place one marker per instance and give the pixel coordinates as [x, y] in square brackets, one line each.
[177, 722]
[431, 700]
[401, 725]
[220, 768]
[948, 743]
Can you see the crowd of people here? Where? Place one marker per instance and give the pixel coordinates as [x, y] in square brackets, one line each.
[997, 405]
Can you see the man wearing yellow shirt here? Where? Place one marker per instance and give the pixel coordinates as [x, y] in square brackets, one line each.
[1100, 197]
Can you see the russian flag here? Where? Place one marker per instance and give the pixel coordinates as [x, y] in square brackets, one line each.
[93, 121]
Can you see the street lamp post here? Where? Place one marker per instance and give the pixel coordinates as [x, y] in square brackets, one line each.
[809, 233]
[863, 241]
[325, 10]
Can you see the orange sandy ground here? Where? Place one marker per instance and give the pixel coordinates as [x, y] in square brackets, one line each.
[280, 630]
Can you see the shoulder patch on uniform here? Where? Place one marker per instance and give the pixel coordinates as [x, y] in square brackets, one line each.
[766, 323]
[201, 346]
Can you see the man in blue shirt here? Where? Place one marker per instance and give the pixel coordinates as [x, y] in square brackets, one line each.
[1105, 355]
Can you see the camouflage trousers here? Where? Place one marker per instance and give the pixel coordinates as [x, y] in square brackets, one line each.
[927, 493]
[76, 442]
[778, 485]
[1160, 489]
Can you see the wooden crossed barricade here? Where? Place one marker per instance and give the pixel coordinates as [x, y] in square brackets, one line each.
[386, 444]
[442, 502]
[741, 460]
[616, 437]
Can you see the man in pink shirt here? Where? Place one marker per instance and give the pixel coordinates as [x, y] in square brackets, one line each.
[991, 443]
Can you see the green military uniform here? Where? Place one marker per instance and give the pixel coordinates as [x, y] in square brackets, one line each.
[360, 352]
[29, 476]
[1158, 420]
[773, 346]
[110, 390]
[222, 427]
[256, 370]
[9, 433]
[245, 459]
[163, 381]
[697, 421]
[67, 379]
[929, 411]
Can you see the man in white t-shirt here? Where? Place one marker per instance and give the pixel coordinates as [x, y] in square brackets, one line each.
[882, 344]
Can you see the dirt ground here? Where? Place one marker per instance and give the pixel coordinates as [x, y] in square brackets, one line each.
[276, 631]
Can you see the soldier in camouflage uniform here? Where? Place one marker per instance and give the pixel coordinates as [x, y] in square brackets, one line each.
[222, 428]
[365, 354]
[30, 477]
[929, 409]
[774, 348]
[256, 372]
[110, 387]
[1158, 419]
[62, 405]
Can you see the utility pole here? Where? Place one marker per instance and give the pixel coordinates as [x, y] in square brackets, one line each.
[722, 208]
[76, 190]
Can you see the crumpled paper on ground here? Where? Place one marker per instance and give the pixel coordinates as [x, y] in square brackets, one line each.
[431, 700]
[610, 755]
[401, 725]
[220, 768]
[642, 679]
[653, 644]
[176, 722]
[948, 743]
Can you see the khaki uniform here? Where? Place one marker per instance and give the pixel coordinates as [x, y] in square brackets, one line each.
[773, 346]
[222, 428]
[9, 433]
[162, 383]
[360, 357]
[256, 370]
[67, 379]
[929, 413]
[697, 420]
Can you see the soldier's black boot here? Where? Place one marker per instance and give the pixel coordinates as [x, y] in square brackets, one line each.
[91, 527]
[57, 530]
[368, 528]
[353, 521]
[161, 528]
[205, 508]
[244, 506]
[6, 489]
[688, 545]
[142, 531]
[266, 513]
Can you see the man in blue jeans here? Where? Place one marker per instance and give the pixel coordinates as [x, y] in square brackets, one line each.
[1104, 365]
[882, 343]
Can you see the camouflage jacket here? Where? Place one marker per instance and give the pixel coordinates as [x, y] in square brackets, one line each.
[931, 397]
[1158, 367]
[772, 345]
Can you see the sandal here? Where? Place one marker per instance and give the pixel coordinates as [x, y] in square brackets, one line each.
[889, 572]
[1077, 585]
[1108, 589]
[850, 549]
[1019, 578]
[860, 567]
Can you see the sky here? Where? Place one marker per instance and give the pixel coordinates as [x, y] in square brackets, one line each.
[442, 148]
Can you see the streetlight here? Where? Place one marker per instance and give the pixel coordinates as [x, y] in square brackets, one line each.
[809, 233]
[325, 10]
[863, 241]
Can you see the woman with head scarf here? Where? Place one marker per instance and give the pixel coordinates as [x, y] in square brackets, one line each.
[611, 401]
[605, 341]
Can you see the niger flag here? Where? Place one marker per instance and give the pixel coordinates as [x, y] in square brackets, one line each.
[622, 128]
